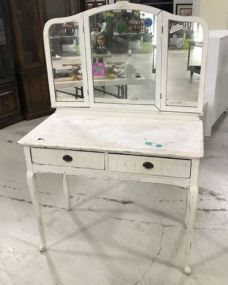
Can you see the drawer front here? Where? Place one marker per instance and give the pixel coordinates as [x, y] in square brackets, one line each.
[150, 165]
[59, 157]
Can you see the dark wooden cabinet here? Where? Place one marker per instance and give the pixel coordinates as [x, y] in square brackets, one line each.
[89, 4]
[60, 8]
[35, 101]
[28, 19]
[166, 5]
[9, 103]
[30, 62]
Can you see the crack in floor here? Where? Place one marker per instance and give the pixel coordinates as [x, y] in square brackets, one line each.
[153, 260]
[29, 202]
[132, 220]
[123, 219]
[211, 229]
[212, 210]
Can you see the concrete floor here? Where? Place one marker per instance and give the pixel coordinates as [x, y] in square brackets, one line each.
[117, 233]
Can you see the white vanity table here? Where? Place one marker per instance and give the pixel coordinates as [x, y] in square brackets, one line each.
[141, 137]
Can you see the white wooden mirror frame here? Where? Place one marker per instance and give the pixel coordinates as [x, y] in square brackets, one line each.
[161, 61]
[199, 104]
[54, 103]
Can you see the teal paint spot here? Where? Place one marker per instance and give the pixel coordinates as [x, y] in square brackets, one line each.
[158, 145]
[148, 143]
[152, 144]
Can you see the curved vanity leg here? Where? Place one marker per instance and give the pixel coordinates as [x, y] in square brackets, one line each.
[187, 209]
[34, 196]
[66, 192]
[192, 206]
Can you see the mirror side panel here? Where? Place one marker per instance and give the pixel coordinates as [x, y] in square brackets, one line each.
[184, 50]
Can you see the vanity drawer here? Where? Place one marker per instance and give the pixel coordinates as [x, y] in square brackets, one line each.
[61, 157]
[150, 165]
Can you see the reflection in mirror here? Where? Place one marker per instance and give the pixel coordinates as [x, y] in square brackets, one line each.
[185, 41]
[66, 61]
[123, 48]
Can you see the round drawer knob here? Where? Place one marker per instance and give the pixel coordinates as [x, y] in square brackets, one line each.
[67, 158]
[148, 165]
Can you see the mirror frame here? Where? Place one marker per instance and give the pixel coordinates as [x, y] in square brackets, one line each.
[161, 61]
[54, 103]
[179, 108]
[124, 5]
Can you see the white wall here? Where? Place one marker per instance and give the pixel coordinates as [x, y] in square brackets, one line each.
[196, 7]
[215, 13]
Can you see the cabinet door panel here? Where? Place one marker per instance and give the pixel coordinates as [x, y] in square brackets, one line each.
[37, 102]
[6, 58]
[26, 18]
[56, 9]
[8, 102]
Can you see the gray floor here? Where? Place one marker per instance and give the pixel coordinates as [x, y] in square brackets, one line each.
[117, 233]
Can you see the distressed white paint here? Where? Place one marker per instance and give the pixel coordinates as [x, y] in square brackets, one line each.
[161, 166]
[114, 141]
[191, 212]
[92, 173]
[80, 159]
[92, 132]
[66, 192]
[31, 181]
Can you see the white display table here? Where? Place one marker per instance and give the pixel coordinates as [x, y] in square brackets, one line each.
[216, 86]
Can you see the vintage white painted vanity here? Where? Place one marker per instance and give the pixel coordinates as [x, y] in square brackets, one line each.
[127, 109]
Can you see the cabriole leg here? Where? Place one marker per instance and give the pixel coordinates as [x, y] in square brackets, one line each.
[34, 196]
[66, 192]
[187, 208]
[191, 211]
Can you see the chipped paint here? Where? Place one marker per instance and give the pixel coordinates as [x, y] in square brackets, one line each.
[150, 143]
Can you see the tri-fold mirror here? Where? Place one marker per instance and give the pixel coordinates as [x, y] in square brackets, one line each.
[126, 54]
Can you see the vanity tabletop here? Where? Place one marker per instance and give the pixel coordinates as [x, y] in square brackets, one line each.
[113, 132]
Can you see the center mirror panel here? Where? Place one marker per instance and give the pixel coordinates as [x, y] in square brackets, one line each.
[123, 55]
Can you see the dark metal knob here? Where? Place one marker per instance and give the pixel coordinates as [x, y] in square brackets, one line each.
[67, 158]
[148, 165]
